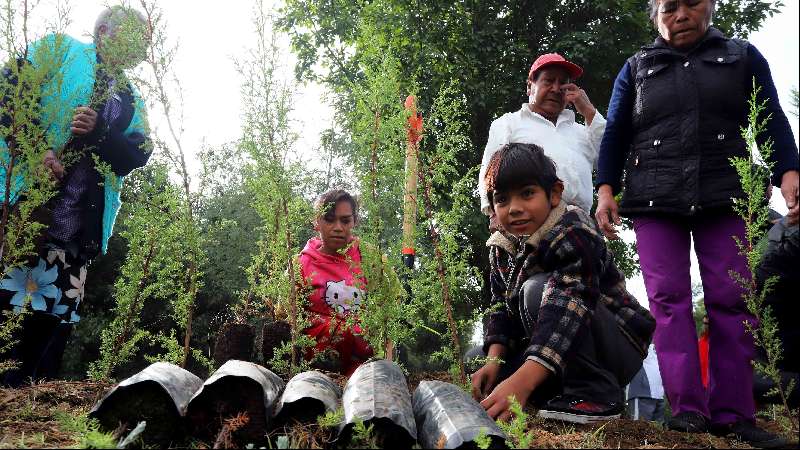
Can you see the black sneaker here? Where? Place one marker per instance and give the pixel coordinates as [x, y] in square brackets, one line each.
[749, 433]
[577, 410]
[688, 422]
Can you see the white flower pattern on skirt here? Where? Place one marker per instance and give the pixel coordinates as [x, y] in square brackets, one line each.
[59, 253]
[78, 284]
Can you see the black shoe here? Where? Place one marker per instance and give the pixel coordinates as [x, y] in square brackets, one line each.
[749, 433]
[577, 410]
[688, 422]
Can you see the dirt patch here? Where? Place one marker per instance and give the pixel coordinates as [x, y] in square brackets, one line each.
[414, 379]
[29, 415]
[639, 434]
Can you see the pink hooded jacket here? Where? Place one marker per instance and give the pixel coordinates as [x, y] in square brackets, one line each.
[337, 288]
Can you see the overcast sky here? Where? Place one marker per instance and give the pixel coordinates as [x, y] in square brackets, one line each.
[211, 34]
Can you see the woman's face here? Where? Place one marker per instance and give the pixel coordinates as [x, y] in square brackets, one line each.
[682, 23]
[336, 228]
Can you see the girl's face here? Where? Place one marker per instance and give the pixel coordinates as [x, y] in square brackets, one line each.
[523, 211]
[336, 228]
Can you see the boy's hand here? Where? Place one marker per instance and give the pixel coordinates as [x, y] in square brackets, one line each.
[484, 379]
[497, 404]
[520, 386]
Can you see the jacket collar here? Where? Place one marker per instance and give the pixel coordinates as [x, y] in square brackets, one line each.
[712, 34]
[510, 243]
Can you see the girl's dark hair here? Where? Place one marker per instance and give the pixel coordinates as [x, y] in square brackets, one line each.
[518, 165]
[326, 203]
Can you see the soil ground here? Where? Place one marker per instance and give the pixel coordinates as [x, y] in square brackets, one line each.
[30, 417]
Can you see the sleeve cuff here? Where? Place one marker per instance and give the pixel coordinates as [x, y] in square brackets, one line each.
[542, 362]
[598, 122]
[488, 341]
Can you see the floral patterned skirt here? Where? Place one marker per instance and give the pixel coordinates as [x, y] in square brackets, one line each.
[54, 281]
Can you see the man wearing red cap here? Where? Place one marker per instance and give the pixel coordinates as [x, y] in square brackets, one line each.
[544, 121]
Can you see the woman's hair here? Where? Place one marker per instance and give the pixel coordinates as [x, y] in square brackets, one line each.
[653, 5]
[517, 165]
[113, 16]
[326, 203]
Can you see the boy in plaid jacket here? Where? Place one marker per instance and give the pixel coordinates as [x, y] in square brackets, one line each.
[567, 334]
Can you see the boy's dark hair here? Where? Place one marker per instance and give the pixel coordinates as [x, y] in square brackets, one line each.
[517, 165]
[326, 203]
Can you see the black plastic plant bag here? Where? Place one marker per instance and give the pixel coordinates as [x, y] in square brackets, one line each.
[235, 388]
[377, 394]
[307, 396]
[157, 395]
[447, 417]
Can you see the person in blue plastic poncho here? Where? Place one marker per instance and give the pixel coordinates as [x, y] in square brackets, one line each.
[95, 126]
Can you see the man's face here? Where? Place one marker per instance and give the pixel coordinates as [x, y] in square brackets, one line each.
[336, 227]
[548, 97]
[522, 211]
[682, 23]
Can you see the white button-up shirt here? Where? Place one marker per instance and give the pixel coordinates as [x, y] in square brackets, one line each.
[572, 146]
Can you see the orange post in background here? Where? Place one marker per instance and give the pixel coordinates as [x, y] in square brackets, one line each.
[414, 130]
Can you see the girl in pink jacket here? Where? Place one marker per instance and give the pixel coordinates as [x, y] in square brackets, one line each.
[331, 267]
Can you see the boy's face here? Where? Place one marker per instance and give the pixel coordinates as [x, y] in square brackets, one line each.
[336, 227]
[522, 211]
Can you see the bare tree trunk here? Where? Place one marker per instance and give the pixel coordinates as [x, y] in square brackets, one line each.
[292, 287]
[442, 272]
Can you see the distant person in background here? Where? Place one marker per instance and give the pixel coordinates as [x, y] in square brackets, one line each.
[674, 121]
[702, 349]
[645, 392]
[781, 259]
[93, 114]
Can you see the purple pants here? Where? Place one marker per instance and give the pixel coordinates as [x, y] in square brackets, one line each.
[663, 244]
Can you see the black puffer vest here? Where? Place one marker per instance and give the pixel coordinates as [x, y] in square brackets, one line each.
[687, 113]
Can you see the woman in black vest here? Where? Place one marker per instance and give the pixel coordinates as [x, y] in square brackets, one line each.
[674, 121]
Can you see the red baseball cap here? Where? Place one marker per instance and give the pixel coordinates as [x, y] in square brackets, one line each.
[554, 59]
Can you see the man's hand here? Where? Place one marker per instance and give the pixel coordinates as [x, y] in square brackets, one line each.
[577, 97]
[789, 189]
[51, 162]
[484, 379]
[607, 213]
[84, 120]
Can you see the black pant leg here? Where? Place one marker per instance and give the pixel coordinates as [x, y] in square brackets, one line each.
[602, 360]
[39, 350]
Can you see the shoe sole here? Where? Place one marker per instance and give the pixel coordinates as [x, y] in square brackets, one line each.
[575, 418]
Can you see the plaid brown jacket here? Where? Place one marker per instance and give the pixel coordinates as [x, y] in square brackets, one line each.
[570, 247]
